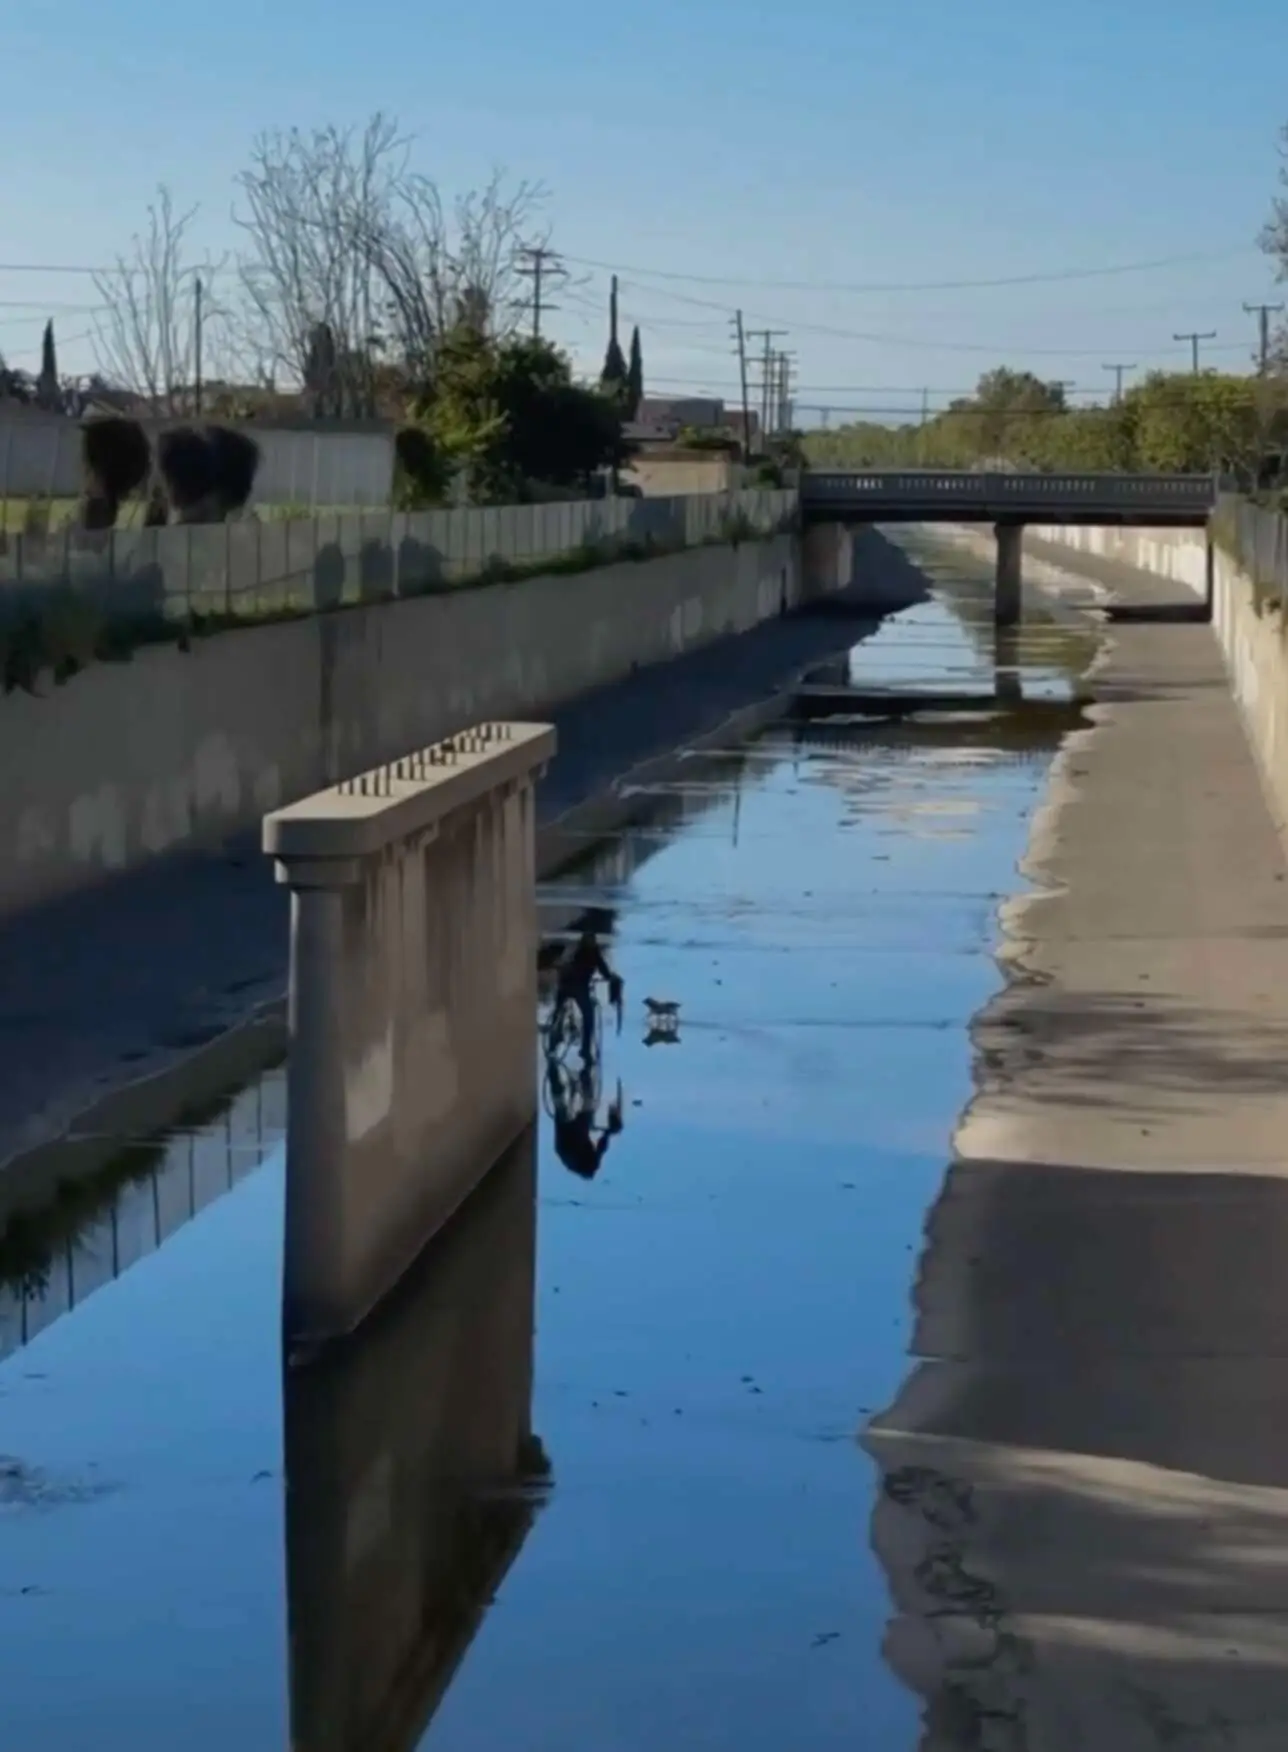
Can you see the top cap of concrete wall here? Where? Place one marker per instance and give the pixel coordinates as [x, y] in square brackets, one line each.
[369, 812]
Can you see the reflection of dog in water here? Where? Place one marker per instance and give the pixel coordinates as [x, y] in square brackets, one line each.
[663, 1022]
[579, 1144]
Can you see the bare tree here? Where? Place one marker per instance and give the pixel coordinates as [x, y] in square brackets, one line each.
[438, 270]
[353, 258]
[1274, 243]
[312, 203]
[149, 335]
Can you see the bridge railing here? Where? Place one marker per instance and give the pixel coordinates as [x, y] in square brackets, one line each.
[966, 487]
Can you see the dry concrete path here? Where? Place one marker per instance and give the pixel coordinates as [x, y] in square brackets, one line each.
[1084, 1507]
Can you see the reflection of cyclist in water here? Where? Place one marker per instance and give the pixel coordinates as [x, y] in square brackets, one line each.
[583, 965]
[573, 1107]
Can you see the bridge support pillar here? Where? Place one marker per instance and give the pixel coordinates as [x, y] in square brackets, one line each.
[1010, 570]
[828, 556]
[412, 1009]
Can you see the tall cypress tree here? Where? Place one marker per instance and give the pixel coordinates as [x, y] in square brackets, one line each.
[47, 382]
[635, 376]
[613, 378]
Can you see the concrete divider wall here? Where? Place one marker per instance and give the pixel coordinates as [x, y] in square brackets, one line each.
[413, 1000]
[128, 761]
[1249, 629]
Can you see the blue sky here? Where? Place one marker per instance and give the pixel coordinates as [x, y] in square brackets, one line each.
[839, 144]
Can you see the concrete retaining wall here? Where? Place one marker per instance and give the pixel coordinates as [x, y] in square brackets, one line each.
[1177, 554]
[252, 566]
[663, 475]
[1249, 629]
[180, 748]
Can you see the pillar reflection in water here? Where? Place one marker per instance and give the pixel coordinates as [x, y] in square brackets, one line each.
[1006, 664]
[412, 1477]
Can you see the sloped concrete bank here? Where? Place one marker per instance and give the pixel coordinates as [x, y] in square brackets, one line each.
[1084, 1501]
[1249, 627]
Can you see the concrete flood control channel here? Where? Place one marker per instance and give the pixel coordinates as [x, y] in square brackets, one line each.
[680, 1554]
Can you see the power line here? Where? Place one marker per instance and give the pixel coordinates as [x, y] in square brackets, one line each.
[1140, 267]
[1194, 336]
[113, 270]
[880, 338]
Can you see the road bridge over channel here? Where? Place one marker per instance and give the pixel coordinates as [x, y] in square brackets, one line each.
[833, 500]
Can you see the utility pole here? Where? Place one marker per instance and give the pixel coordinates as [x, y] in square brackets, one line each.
[768, 336]
[538, 260]
[1119, 372]
[742, 373]
[785, 392]
[1263, 313]
[1194, 336]
[197, 324]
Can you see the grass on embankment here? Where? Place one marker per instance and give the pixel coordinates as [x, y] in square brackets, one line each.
[40, 516]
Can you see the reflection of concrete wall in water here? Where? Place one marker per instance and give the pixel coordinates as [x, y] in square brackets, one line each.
[654, 816]
[52, 1263]
[408, 1457]
[413, 1004]
[129, 761]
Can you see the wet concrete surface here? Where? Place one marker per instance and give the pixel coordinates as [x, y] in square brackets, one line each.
[649, 1526]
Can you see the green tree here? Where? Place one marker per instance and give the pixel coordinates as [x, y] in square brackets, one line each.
[505, 415]
[1172, 421]
[47, 390]
[1189, 422]
[615, 376]
[635, 376]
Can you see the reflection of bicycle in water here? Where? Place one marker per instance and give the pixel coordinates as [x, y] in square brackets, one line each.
[576, 1018]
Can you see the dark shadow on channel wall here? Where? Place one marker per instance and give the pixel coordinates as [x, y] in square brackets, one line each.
[413, 1477]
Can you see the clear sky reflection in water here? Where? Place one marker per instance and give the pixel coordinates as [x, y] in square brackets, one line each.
[716, 1311]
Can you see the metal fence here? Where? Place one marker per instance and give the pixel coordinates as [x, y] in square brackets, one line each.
[249, 567]
[1256, 536]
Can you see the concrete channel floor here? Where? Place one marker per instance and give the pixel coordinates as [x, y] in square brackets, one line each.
[1084, 1513]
